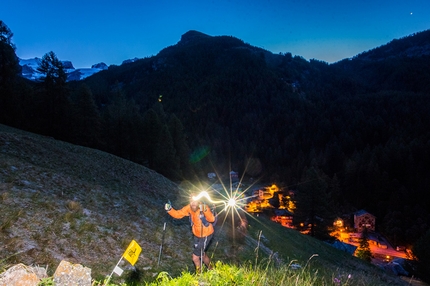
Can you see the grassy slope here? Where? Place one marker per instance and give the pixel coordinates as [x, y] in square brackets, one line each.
[114, 201]
[61, 201]
[320, 257]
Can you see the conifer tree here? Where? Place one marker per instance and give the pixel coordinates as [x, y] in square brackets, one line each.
[313, 202]
[151, 133]
[9, 71]
[123, 127]
[176, 130]
[165, 160]
[6, 35]
[363, 250]
[421, 250]
[55, 106]
[87, 127]
[53, 70]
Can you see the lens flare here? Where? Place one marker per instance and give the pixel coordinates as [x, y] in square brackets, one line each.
[199, 154]
[231, 201]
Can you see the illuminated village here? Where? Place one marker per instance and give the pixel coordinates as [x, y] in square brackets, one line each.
[347, 237]
[261, 201]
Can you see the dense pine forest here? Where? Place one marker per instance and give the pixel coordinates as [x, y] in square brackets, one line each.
[345, 136]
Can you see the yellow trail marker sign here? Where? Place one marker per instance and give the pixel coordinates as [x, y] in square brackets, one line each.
[132, 252]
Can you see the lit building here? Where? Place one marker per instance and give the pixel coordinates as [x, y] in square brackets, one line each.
[364, 220]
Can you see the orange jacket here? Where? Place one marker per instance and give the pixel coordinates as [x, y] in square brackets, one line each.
[198, 228]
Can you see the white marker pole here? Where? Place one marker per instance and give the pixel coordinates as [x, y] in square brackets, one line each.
[161, 245]
[106, 283]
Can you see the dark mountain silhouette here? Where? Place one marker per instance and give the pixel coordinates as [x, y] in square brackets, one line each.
[401, 65]
[362, 120]
[415, 45]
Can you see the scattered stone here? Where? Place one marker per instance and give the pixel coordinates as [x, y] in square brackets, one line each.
[295, 266]
[68, 274]
[21, 275]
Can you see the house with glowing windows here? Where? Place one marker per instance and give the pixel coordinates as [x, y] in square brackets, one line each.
[364, 220]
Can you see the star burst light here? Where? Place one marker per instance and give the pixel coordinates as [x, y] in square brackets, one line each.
[233, 200]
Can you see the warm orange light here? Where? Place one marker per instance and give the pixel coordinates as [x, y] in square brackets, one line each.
[338, 223]
[262, 197]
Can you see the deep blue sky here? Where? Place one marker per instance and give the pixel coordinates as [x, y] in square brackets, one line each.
[87, 32]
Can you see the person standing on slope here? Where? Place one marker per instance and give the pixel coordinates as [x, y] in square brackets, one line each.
[201, 218]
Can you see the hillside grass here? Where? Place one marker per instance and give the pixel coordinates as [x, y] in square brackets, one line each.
[272, 255]
[64, 202]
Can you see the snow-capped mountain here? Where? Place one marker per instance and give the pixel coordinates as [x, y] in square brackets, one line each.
[29, 69]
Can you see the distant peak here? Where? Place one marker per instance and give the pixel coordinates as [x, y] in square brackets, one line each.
[101, 66]
[193, 35]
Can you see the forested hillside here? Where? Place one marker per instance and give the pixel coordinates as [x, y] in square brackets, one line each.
[349, 135]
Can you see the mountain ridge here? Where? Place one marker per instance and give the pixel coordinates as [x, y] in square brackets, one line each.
[414, 45]
[29, 69]
[29, 66]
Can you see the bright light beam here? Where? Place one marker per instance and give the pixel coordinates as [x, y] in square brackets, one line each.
[229, 202]
[206, 195]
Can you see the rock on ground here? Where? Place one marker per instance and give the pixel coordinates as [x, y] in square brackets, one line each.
[66, 274]
[21, 275]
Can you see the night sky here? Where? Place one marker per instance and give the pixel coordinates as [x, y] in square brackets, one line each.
[92, 31]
